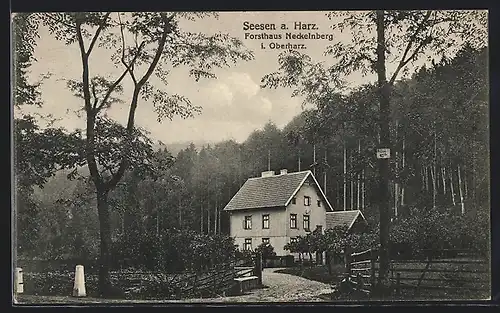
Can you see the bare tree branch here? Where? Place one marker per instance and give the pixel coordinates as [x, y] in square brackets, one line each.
[133, 105]
[404, 60]
[96, 36]
[118, 81]
[128, 67]
[95, 97]
[91, 161]
[159, 51]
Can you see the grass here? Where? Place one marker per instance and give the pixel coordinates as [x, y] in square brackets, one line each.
[317, 273]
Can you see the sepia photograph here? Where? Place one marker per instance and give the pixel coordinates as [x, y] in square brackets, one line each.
[250, 157]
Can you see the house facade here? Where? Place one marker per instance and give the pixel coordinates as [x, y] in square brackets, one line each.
[276, 208]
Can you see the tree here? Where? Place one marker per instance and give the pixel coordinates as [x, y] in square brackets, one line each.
[400, 38]
[142, 42]
[266, 250]
[24, 29]
[38, 155]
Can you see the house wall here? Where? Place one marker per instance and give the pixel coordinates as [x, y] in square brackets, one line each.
[275, 233]
[317, 215]
[279, 232]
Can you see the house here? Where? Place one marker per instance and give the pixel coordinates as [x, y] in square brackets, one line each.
[353, 219]
[276, 208]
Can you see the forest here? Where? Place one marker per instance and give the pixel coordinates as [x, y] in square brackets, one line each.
[439, 163]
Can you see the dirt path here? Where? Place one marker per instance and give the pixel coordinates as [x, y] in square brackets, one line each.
[282, 288]
[279, 288]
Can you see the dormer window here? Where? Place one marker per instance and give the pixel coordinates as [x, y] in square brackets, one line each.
[319, 203]
[294, 200]
[307, 200]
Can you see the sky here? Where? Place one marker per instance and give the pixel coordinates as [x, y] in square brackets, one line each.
[233, 105]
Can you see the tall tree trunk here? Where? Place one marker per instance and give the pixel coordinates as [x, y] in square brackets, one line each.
[396, 185]
[339, 193]
[384, 203]
[462, 204]
[123, 222]
[215, 220]
[465, 180]
[158, 222]
[422, 177]
[443, 176]
[474, 179]
[216, 206]
[451, 186]
[351, 177]
[434, 168]
[314, 160]
[363, 188]
[105, 242]
[180, 211]
[201, 218]
[325, 172]
[426, 171]
[358, 189]
[433, 177]
[299, 159]
[345, 177]
[403, 156]
[208, 215]
[268, 159]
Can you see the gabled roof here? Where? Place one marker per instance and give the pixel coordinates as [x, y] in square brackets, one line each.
[272, 191]
[343, 218]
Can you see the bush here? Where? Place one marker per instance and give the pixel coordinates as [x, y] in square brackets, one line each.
[174, 251]
[267, 251]
[437, 230]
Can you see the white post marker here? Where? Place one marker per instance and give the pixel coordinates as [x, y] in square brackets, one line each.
[18, 280]
[79, 287]
[383, 153]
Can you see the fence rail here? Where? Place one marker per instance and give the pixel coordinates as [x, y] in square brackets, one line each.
[444, 274]
[435, 272]
[218, 280]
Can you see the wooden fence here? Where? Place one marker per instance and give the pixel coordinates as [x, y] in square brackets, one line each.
[361, 269]
[218, 281]
[460, 276]
[433, 276]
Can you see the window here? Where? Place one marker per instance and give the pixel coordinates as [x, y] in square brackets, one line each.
[307, 200]
[319, 203]
[293, 220]
[248, 222]
[248, 244]
[265, 240]
[293, 239]
[294, 200]
[265, 221]
[307, 223]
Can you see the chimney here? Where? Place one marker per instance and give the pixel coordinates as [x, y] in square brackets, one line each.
[283, 171]
[267, 174]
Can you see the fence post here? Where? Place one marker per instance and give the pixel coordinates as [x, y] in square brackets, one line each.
[347, 260]
[359, 281]
[372, 270]
[398, 285]
[258, 268]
